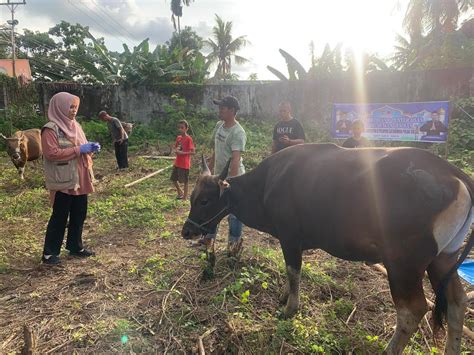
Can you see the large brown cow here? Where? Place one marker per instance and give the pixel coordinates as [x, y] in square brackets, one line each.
[404, 207]
[24, 146]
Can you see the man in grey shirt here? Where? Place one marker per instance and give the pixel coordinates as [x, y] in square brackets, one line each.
[229, 139]
[119, 137]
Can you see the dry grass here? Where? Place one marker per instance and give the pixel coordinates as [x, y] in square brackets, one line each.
[144, 293]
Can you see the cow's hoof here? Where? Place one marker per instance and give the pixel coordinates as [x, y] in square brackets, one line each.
[289, 312]
[292, 306]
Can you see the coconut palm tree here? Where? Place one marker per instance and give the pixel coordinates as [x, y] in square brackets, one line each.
[432, 16]
[224, 47]
[433, 38]
[177, 12]
[406, 52]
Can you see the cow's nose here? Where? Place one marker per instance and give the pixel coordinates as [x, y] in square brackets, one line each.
[16, 156]
[186, 233]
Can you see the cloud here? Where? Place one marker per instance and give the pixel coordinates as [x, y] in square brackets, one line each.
[117, 21]
[363, 24]
[203, 29]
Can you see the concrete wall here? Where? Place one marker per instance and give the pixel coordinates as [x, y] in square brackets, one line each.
[312, 100]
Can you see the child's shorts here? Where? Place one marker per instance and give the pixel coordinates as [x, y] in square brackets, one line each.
[180, 174]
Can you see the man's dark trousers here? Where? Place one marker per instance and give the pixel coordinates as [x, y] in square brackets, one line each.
[121, 154]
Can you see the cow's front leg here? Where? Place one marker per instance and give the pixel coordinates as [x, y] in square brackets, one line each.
[21, 172]
[285, 293]
[293, 256]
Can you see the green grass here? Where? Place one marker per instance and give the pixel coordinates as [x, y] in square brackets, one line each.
[242, 299]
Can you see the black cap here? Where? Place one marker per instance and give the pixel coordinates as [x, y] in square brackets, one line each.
[228, 101]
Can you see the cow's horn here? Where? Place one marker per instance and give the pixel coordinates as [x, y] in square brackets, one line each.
[1, 135]
[225, 172]
[204, 168]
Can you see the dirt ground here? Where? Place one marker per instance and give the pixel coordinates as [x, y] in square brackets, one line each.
[144, 291]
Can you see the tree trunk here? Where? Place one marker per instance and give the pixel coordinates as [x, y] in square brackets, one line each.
[179, 33]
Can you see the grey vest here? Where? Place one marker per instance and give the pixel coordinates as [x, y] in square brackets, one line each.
[61, 175]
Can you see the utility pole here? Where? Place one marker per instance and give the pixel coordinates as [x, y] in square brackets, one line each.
[12, 5]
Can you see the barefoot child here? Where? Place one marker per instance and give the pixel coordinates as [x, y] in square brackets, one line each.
[184, 148]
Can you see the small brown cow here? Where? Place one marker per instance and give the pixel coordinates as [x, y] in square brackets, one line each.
[24, 146]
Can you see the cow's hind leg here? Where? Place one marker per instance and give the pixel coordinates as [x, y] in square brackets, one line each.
[456, 299]
[406, 286]
[293, 257]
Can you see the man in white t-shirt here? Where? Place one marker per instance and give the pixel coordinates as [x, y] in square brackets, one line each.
[229, 141]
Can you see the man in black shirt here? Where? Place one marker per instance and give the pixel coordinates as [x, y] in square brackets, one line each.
[435, 126]
[288, 131]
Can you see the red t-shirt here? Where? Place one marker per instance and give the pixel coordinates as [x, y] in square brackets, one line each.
[183, 144]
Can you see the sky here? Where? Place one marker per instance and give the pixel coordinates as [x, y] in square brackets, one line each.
[369, 25]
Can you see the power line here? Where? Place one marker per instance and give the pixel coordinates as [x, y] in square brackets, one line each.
[41, 45]
[94, 21]
[71, 61]
[52, 62]
[128, 34]
[104, 20]
[46, 66]
[12, 5]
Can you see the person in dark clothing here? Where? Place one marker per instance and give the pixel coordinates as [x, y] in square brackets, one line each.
[433, 127]
[119, 137]
[288, 131]
[356, 141]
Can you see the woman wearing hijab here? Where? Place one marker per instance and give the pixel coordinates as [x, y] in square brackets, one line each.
[68, 175]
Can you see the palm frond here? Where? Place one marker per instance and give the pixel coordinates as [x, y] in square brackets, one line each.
[293, 65]
[277, 73]
[240, 60]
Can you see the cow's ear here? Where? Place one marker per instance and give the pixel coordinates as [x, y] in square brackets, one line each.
[223, 186]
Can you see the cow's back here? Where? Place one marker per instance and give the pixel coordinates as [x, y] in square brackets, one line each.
[33, 143]
[332, 192]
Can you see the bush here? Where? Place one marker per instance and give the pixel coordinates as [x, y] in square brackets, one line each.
[21, 104]
[96, 131]
[461, 133]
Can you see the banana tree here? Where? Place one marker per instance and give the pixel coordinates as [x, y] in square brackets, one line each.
[143, 67]
[295, 69]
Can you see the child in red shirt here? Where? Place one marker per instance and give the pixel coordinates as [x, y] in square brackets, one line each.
[184, 148]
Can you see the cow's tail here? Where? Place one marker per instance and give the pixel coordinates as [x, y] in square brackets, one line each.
[441, 303]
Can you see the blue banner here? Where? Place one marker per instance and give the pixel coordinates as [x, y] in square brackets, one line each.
[414, 121]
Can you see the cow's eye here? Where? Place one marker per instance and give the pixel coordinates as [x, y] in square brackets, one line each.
[204, 202]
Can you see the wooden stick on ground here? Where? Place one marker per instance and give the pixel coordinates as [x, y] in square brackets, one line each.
[200, 343]
[351, 315]
[30, 341]
[5, 343]
[147, 176]
[431, 305]
[166, 157]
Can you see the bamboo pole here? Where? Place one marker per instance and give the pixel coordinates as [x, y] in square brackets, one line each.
[147, 176]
